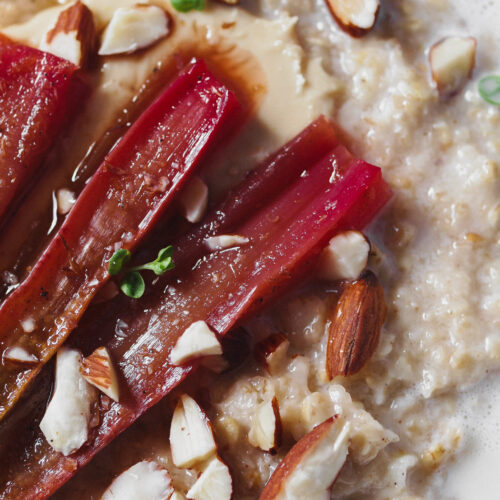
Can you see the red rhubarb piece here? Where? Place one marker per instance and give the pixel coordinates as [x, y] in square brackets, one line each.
[222, 288]
[39, 93]
[131, 189]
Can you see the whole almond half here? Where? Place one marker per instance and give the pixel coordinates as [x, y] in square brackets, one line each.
[356, 17]
[356, 324]
[74, 35]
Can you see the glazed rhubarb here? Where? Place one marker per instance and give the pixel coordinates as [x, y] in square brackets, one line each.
[284, 235]
[131, 189]
[39, 93]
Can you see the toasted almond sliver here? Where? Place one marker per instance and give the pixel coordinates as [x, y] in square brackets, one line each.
[191, 436]
[265, 432]
[98, 370]
[145, 479]
[310, 468]
[17, 354]
[345, 256]
[271, 352]
[197, 340]
[356, 17]
[73, 37]
[215, 483]
[224, 241]
[65, 424]
[134, 28]
[194, 199]
[452, 61]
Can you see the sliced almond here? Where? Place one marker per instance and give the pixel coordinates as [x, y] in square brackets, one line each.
[224, 241]
[356, 17]
[345, 256]
[265, 432]
[134, 28]
[355, 328]
[271, 352]
[194, 199]
[310, 468]
[197, 340]
[452, 61]
[145, 480]
[191, 437]
[98, 370]
[215, 483]
[67, 418]
[17, 354]
[73, 37]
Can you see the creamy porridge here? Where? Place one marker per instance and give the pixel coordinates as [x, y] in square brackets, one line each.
[434, 248]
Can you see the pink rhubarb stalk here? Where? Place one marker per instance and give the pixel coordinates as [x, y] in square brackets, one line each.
[131, 189]
[39, 93]
[285, 235]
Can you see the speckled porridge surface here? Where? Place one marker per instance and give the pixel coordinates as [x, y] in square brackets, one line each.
[436, 249]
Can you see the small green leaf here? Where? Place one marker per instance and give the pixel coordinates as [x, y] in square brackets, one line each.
[118, 260]
[133, 285]
[489, 89]
[163, 262]
[187, 5]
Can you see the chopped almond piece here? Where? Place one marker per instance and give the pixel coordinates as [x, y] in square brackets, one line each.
[191, 437]
[310, 468]
[17, 354]
[224, 241]
[194, 199]
[65, 424]
[452, 61]
[197, 340]
[98, 370]
[356, 17]
[345, 256]
[65, 200]
[144, 480]
[74, 35]
[134, 28]
[265, 432]
[271, 352]
[215, 483]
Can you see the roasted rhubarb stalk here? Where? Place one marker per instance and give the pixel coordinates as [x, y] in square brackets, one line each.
[39, 93]
[283, 238]
[131, 189]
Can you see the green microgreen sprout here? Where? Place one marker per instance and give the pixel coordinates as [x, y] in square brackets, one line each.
[489, 89]
[187, 5]
[132, 283]
[161, 264]
[119, 259]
